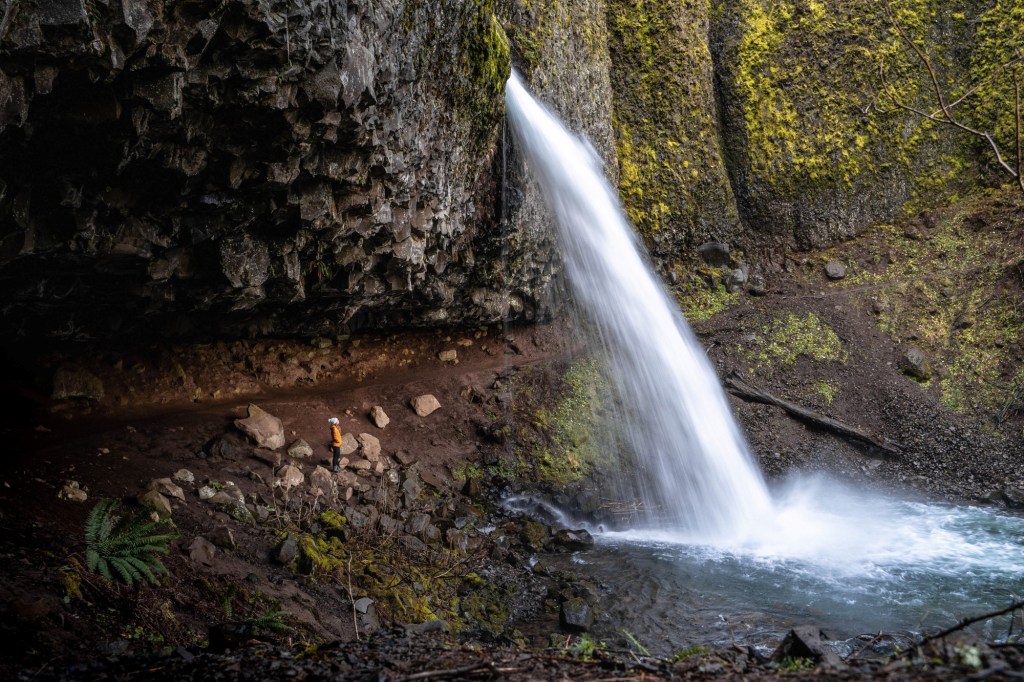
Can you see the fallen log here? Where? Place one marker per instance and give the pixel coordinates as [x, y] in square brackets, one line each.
[741, 389]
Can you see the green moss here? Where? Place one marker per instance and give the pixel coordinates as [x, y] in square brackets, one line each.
[671, 175]
[570, 451]
[320, 556]
[333, 519]
[784, 340]
[827, 390]
[700, 300]
[689, 652]
[948, 294]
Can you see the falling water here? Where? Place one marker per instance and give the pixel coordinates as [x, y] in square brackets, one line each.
[818, 549]
[700, 475]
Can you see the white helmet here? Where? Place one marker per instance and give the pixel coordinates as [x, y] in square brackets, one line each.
[332, 420]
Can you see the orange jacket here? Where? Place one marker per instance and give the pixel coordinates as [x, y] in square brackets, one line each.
[335, 436]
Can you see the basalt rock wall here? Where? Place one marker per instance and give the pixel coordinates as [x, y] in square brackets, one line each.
[248, 166]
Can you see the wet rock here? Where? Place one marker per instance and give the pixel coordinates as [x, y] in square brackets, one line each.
[202, 550]
[835, 270]
[573, 540]
[72, 492]
[807, 641]
[914, 363]
[156, 502]
[167, 488]
[76, 382]
[263, 428]
[300, 449]
[425, 405]
[577, 615]
[715, 254]
[379, 417]
[1014, 497]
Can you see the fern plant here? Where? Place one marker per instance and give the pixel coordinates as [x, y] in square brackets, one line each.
[124, 545]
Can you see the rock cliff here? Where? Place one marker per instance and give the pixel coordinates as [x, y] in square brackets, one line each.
[191, 169]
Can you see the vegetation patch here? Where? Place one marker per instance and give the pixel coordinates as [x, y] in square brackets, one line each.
[950, 284]
[784, 340]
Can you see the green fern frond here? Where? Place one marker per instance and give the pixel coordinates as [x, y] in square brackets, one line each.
[125, 543]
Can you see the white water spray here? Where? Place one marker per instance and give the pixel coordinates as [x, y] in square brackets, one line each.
[702, 477]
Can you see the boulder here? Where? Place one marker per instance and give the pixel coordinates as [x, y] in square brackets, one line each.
[349, 444]
[263, 428]
[369, 446]
[424, 405]
[167, 488]
[72, 493]
[577, 614]
[1014, 497]
[715, 254]
[229, 446]
[202, 551]
[806, 641]
[379, 417]
[300, 449]
[271, 458]
[323, 480]
[362, 465]
[76, 382]
[835, 270]
[914, 363]
[411, 488]
[289, 477]
[157, 502]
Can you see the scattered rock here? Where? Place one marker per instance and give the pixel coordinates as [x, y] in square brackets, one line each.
[366, 616]
[450, 355]
[577, 614]
[757, 285]
[263, 428]
[379, 418]
[289, 477]
[167, 488]
[349, 444]
[222, 537]
[362, 465]
[835, 270]
[323, 480]
[76, 382]
[424, 405]
[369, 446]
[202, 550]
[915, 364]
[272, 458]
[157, 502]
[300, 449]
[207, 492]
[72, 492]
[287, 551]
[229, 446]
[184, 476]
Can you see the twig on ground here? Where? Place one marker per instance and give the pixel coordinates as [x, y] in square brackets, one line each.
[476, 668]
[964, 623]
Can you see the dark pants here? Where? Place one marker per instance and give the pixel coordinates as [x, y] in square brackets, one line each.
[336, 451]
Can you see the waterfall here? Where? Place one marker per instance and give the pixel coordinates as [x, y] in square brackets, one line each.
[698, 473]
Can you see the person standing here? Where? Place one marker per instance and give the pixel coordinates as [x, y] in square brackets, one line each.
[335, 444]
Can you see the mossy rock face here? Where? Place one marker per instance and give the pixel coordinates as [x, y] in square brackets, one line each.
[816, 145]
[672, 176]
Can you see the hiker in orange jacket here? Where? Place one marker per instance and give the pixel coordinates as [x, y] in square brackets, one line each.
[335, 444]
